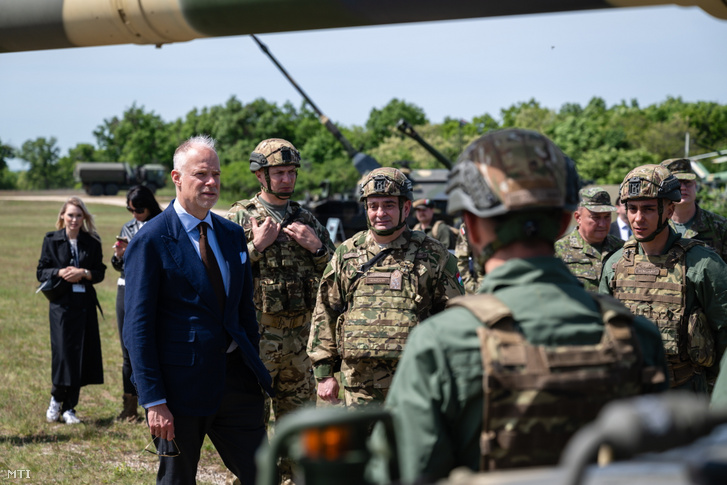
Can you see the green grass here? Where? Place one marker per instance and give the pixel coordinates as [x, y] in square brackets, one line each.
[100, 450]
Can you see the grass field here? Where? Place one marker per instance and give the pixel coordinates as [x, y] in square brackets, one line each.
[100, 450]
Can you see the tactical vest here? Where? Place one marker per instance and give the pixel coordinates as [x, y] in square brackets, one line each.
[383, 305]
[655, 287]
[536, 397]
[286, 282]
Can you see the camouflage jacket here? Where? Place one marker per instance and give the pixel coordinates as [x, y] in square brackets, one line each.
[440, 231]
[285, 274]
[466, 264]
[584, 260]
[401, 289]
[710, 228]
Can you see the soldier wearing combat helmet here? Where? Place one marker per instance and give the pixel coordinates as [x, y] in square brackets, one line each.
[288, 249]
[379, 284]
[690, 220]
[504, 377]
[589, 243]
[676, 282]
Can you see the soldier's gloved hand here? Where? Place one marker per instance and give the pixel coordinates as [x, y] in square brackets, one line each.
[304, 235]
[265, 234]
[328, 390]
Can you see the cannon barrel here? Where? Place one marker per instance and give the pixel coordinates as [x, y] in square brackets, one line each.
[52, 24]
[404, 127]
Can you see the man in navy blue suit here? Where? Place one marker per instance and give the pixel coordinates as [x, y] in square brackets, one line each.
[190, 326]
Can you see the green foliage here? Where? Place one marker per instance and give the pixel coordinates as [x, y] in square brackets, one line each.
[713, 199]
[604, 141]
[381, 123]
[42, 155]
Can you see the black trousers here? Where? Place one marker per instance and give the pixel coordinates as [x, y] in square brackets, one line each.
[237, 429]
[126, 366]
[66, 395]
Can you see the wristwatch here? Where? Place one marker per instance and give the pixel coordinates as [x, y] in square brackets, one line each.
[320, 251]
[86, 272]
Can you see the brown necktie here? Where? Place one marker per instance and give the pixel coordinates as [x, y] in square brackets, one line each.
[210, 264]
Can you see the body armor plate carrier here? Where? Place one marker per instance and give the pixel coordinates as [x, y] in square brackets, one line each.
[537, 397]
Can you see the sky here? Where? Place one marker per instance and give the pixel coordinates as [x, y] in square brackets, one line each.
[457, 69]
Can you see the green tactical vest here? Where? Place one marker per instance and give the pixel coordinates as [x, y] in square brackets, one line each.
[655, 287]
[537, 397]
[287, 281]
[383, 305]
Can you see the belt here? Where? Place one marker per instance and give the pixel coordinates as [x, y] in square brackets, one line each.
[681, 372]
[279, 321]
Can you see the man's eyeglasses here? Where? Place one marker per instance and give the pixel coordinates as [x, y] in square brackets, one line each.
[137, 210]
[170, 453]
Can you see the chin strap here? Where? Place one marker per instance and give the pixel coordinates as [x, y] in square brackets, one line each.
[660, 226]
[279, 195]
[388, 232]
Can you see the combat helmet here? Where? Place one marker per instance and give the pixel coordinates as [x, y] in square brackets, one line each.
[386, 181]
[274, 152]
[651, 182]
[520, 175]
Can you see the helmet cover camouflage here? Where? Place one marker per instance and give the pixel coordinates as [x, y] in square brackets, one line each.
[596, 199]
[273, 152]
[680, 167]
[650, 182]
[386, 181]
[512, 170]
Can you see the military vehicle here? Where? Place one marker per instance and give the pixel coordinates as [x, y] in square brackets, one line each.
[673, 439]
[107, 178]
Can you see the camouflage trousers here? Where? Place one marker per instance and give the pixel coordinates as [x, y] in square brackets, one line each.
[366, 381]
[283, 343]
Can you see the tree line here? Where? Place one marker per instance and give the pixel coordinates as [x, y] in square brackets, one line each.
[606, 142]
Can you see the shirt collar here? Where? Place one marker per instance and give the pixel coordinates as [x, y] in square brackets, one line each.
[189, 222]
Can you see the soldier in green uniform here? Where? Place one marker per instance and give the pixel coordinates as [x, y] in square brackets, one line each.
[589, 243]
[379, 284]
[690, 220]
[470, 272]
[289, 250]
[424, 211]
[516, 191]
[678, 283]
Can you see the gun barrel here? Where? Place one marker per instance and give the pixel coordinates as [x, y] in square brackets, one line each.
[404, 127]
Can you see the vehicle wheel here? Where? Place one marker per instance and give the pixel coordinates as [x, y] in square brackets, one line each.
[111, 189]
[95, 189]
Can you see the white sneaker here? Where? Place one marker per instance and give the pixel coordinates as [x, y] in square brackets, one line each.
[69, 417]
[54, 411]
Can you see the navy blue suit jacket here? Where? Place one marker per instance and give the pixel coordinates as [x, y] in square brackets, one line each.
[174, 330]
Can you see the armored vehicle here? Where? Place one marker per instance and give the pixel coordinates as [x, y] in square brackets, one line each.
[673, 439]
[107, 178]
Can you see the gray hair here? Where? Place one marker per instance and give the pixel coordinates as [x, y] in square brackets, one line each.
[180, 154]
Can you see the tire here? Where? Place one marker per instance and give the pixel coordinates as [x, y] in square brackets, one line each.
[111, 189]
[95, 189]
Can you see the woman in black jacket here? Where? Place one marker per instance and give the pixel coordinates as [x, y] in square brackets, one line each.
[72, 257]
[143, 206]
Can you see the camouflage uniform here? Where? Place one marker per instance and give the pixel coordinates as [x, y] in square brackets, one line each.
[470, 272]
[681, 290]
[285, 277]
[438, 230]
[705, 226]
[443, 390]
[583, 259]
[363, 316]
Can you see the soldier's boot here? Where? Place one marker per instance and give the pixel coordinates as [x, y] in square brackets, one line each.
[129, 412]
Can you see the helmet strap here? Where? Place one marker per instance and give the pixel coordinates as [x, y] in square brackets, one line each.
[521, 227]
[659, 227]
[387, 232]
[279, 195]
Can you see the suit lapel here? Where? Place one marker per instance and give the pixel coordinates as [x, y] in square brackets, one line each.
[188, 261]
